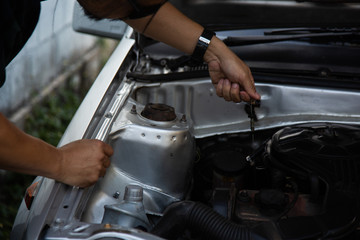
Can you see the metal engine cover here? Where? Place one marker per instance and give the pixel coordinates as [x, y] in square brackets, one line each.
[156, 155]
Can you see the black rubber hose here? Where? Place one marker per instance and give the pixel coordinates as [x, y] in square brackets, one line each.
[202, 220]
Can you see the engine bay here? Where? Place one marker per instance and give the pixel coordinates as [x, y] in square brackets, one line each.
[189, 165]
[197, 171]
[297, 185]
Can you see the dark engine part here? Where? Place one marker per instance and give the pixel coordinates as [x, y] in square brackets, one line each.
[302, 183]
[324, 160]
[159, 112]
[201, 220]
[328, 151]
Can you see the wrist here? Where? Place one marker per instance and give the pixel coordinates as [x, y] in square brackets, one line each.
[202, 45]
[214, 50]
[55, 170]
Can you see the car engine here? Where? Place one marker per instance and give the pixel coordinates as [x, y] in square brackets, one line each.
[188, 165]
[187, 176]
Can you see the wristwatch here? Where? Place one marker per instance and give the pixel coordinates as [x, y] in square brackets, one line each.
[202, 45]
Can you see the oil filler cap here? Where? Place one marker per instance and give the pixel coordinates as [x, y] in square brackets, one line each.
[159, 112]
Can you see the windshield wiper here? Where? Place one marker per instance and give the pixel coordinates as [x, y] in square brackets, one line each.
[279, 37]
[293, 31]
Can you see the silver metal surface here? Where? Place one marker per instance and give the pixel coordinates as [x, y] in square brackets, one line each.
[130, 212]
[281, 105]
[28, 223]
[118, 102]
[157, 156]
[148, 153]
[85, 112]
[82, 231]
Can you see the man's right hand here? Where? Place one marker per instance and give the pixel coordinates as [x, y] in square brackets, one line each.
[230, 76]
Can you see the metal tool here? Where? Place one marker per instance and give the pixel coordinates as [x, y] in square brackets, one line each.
[252, 116]
[250, 110]
[252, 119]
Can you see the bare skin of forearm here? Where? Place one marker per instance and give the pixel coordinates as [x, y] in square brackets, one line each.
[20, 152]
[230, 75]
[79, 163]
[171, 27]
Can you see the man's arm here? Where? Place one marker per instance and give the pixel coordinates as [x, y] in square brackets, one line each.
[80, 163]
[230, 75]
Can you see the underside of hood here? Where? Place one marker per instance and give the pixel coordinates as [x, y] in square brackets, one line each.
[245, 14]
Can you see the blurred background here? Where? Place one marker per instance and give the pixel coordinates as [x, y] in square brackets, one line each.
[45, 83]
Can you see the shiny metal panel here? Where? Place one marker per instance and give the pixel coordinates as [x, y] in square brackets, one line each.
[85, 112]
[281, 105]
[145, 149]
[78, 230]
[118, 102]
[157, 156]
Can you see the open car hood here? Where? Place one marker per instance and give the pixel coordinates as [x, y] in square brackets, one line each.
[284, 168]
[245, 14]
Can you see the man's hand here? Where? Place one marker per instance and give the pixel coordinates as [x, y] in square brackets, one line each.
[83, 162]
[231, 77]
[79, 163]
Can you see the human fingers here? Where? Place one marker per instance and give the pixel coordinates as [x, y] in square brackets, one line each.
[245, 96]
[229, 91]
[249, 87]
[103, 147]
[108, 150]
[102, 172]
[226, 90]
[215, 72]
[219, 88]
[83, 162]
[239, 72]
[235, 93]
[106, 162]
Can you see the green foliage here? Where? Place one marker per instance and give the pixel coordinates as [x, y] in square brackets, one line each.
[47, 121]
[13, 186]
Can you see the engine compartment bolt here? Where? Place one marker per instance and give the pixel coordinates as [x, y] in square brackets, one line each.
[183, 119]
[133, 109]
[58, 222]
[116, 195]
